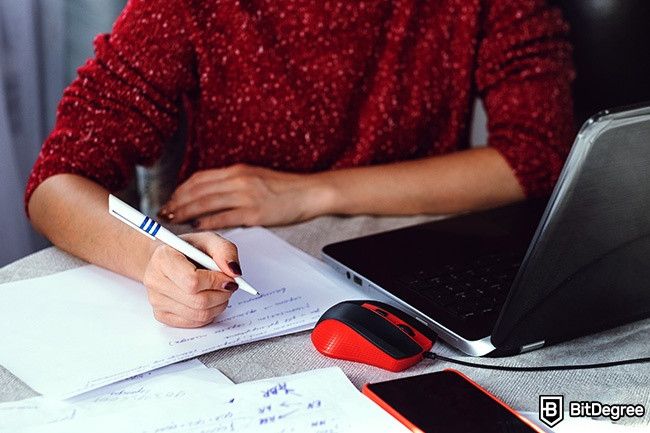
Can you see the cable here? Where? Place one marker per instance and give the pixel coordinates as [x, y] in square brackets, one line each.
[434, 356]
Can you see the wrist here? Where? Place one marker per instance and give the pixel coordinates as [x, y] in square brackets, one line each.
[322, 195]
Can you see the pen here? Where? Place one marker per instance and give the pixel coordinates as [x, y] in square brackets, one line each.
[154, 230]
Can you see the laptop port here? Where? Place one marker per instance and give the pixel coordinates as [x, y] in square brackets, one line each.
[356, 280]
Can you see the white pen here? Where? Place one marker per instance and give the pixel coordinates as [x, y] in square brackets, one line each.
[154, 230]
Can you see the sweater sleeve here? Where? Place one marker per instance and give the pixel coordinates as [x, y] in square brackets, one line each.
[524, 73]
[125, 102]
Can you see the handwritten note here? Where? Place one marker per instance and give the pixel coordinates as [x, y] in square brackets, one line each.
[166, 383]
[78, 330]
[319, 401]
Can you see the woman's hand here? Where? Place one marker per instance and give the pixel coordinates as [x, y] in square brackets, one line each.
[242, 195]
[183, 296]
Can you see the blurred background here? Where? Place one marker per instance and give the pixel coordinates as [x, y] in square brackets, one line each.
[42, 42]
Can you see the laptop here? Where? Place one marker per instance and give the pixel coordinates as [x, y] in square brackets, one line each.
[517, 278]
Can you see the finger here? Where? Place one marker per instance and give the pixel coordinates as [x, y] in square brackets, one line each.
[205, 182]
[208, 204]
[176, 321]
[199, 178]
[189, 281]
[211, 280]
[244, 216]
[222, 251]
[175, 266]
[203, 315]
[199, 301]
[194, 192]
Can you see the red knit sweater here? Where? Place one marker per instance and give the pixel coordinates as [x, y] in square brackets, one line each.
[303, 86]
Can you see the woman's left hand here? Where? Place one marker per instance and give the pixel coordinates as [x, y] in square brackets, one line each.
[243, 195]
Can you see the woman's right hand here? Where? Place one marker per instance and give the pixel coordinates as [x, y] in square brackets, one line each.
[183, 296]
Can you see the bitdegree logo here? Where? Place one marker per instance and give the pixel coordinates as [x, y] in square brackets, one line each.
[581, 409]
[551, 410]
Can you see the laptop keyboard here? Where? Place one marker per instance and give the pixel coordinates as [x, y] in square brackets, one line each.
[478, 288]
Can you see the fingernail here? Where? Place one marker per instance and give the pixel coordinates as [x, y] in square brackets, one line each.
[230, 286]
[235, 268]
[195, 223]
[170, 216]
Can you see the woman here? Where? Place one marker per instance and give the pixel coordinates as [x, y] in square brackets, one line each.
[297, 109]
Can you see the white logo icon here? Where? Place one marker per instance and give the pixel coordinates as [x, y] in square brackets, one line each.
[551, 409]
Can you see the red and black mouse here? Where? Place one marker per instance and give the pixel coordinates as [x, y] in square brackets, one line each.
[372, 333]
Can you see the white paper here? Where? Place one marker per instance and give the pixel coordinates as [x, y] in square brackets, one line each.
[316, 401]
[165, 383]
[16, 415]
[78, 330]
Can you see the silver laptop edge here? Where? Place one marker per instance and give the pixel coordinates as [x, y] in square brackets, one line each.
[473, 348]
[585, 137]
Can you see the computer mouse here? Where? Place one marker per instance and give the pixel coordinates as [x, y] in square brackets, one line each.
[372, 333]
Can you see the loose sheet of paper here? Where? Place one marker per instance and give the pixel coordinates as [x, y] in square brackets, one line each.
[78, 330]
[167, 383]
[318, 401]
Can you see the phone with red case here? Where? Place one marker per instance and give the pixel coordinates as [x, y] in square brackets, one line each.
[446, 402]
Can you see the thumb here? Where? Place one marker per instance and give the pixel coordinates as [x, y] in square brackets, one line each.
[222, 251]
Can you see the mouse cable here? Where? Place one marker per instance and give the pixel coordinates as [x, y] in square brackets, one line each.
[434, 356]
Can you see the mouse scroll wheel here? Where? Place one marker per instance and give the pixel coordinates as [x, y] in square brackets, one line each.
[407, 330]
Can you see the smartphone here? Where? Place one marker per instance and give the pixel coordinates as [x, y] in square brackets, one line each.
[446, 402]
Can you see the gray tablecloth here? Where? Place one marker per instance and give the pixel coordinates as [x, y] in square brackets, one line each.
[294, 353]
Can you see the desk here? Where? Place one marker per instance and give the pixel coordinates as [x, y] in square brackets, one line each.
[294, 353]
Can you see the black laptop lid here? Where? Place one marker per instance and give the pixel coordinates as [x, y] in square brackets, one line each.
[390, 259]
[589, 265]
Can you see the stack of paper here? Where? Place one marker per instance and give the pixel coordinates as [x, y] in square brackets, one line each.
[191, 398]
[316, 401]
[167, 383]
[75, 331]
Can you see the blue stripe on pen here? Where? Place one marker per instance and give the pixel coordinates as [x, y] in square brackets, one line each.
[155, 230]
[144, 223]
[150, 226]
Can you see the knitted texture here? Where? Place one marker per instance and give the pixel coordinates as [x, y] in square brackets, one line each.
[304, 86]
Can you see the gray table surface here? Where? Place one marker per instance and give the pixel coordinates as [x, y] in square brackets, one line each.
[294, 353]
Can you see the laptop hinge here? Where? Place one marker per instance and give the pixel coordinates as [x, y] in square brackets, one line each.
[532, 346]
